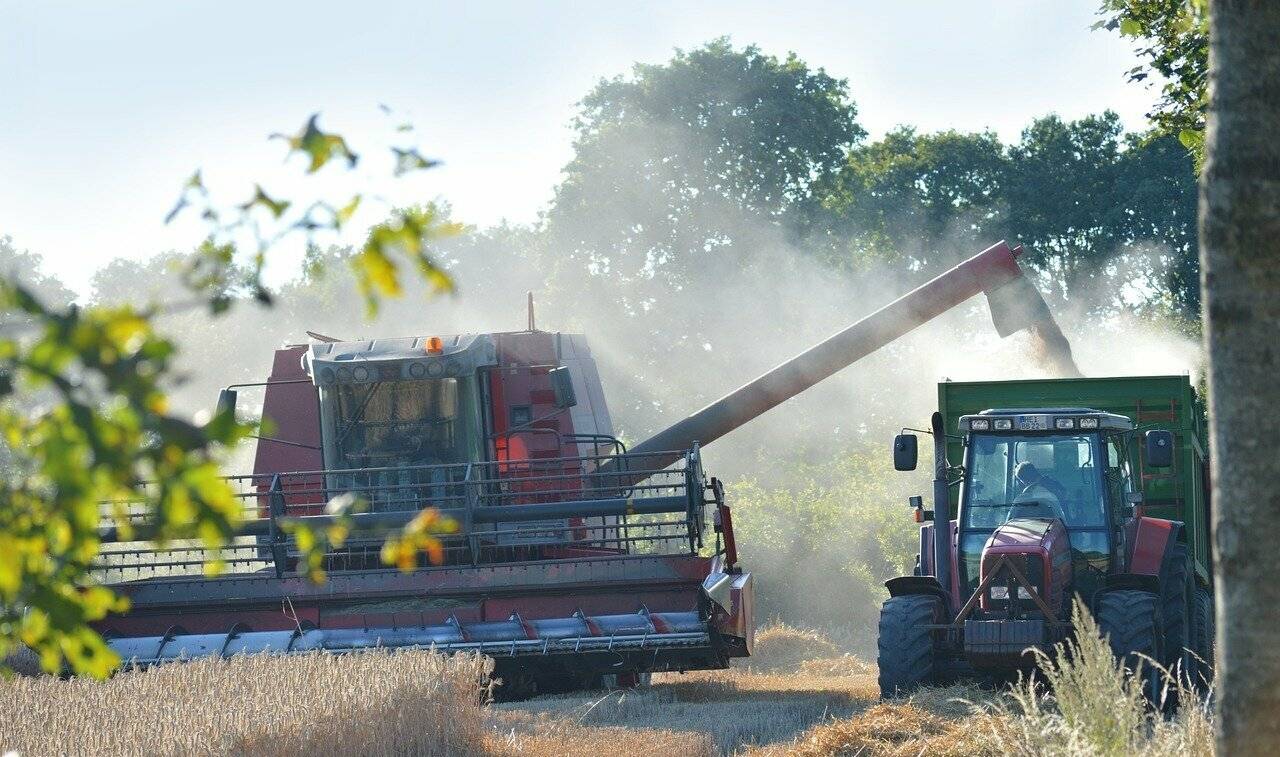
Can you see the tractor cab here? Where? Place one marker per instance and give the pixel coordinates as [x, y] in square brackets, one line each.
[1025, 469]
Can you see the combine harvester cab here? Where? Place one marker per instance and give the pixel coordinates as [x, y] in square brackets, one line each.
[573, 558]
[1046, 490]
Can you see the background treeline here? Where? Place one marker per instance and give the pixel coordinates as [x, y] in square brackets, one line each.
[723, 211]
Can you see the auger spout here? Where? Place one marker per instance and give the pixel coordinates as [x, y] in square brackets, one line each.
[1015, 305]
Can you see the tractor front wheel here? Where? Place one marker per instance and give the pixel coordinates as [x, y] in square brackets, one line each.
[906, 655]
[1133, 624]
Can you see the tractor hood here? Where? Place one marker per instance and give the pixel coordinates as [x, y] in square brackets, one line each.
[1039, 548]
[1022, 535]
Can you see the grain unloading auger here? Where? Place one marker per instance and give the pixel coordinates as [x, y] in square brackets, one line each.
[574, 557]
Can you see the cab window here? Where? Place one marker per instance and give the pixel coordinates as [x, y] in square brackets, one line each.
[1033, 475]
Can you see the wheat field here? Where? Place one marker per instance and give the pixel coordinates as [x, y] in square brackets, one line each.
[378, 703]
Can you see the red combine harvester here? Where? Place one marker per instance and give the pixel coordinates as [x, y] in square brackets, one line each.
[575, 558]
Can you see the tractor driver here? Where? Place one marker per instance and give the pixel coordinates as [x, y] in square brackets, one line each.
[1036, 497]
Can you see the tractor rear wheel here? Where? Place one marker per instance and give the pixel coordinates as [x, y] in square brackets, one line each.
[906, 656]
[1177, 597]
[1202, 636]
[1132, 622]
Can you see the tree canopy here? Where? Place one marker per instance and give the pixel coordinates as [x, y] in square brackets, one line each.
[669, 161]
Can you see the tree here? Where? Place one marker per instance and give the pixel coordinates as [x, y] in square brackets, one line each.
[669, 163]
[1061, 201]
[1240, 240]
[918, 201]
[681, 172]
[1107, 219]
[1174, 40]
[28, 268]
[1157, 195]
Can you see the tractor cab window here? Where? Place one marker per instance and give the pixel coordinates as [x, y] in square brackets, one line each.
[1032, 476]
[399, 423]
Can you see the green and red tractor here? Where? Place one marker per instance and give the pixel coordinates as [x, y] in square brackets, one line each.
[1044, 491]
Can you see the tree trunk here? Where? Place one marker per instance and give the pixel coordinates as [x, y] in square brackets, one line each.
[1240, 243]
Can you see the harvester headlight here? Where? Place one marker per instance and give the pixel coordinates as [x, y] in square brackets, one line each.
[1088, 423]
[417, 370]
[361, 373]
[1003, 424]
[344, 374]
[979, 424]
[1064, 423]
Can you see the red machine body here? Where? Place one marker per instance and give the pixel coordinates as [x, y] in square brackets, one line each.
[561, 571]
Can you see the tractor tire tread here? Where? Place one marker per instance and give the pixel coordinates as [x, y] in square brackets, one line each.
[1177, 595]
[1127, 617]
[1203, 631]
[905, 647]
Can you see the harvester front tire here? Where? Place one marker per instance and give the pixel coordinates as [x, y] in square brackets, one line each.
[1177, 593]
[906, 654]
[1133, 624]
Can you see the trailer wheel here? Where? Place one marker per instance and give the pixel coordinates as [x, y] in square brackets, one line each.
[1132, 623]
[1202, 636]
[1177, 605]
[906, 657]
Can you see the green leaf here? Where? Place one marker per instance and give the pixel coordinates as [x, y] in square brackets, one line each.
[1130, 27]
[319, 145]
[345, 213]
[411, 160]
[261, 198]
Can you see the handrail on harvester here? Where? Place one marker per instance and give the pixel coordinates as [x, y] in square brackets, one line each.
[496, 504]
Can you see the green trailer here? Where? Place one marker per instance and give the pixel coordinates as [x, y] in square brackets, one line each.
[1047, 490]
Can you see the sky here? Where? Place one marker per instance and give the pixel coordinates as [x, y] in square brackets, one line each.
[106, 108]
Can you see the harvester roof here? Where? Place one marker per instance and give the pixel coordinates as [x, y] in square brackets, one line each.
[399, 359]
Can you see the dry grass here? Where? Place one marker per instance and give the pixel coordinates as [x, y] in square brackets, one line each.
[376, 703]
[718, 712]
[897, 730]
[1094, 708]
[780, 647]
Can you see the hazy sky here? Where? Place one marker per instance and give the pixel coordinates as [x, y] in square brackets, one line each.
[105, 108]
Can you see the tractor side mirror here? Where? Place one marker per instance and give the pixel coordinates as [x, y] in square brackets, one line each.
[562, 386]
[1159, 448]
[226, 402]
[905, 452]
